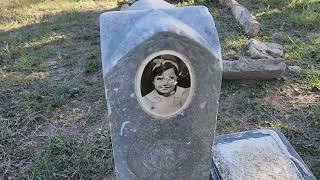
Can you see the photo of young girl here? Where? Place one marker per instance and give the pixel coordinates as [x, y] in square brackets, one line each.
[165, 85]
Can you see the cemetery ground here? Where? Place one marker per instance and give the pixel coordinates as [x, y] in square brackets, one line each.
[53, 122]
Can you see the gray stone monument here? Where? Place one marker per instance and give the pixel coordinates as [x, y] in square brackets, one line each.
[257, 154]
[162, 70]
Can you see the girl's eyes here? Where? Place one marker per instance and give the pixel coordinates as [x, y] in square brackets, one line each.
[161, 78]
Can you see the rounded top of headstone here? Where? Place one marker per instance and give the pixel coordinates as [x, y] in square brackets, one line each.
[150, 4]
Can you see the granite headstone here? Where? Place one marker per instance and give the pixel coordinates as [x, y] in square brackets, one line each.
[162, 70]
[257, 154]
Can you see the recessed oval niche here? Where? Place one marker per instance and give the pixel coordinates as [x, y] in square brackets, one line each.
[165, 84]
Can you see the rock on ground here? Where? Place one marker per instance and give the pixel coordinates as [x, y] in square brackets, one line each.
[294, 69]
[259, 50]
[253, 69]
[243, 16]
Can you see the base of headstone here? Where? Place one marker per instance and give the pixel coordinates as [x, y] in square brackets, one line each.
[257, 154]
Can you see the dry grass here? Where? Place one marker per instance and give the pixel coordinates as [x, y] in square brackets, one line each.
[290, 104]
[52, 103]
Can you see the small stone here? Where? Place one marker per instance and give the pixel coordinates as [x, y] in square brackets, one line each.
[124, 7]
[259, 50]
[294, 69]
[244, 17]
[253, 69]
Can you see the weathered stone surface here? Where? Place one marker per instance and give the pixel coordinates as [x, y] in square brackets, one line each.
[253, 69]
[146, 145]
[258, 154]
[131, 1]
[243, 16]
[294, 69]
[228, 3]
[259, 50]
[150, 4]
[124, 7]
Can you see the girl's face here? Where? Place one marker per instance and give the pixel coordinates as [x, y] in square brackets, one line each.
[166, 82]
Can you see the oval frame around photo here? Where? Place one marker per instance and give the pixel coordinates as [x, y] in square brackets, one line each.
[154, 99]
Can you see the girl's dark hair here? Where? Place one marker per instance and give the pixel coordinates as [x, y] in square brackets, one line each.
[163, 67]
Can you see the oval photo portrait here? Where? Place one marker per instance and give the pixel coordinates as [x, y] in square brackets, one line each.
[165, 85]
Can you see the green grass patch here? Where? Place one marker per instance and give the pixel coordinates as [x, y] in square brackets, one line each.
[268, 12]
[43, 99]
[74, 158]
[307, 18]
[49, 40]
[236, 42]
[244, 104]
[305, 13]
[13, 149]
[30, 43]
[312, 78]
[307, 48]
[233, 86]
[20, 13]
[313, 148]
[286, 130]
[316, 116]
[293, 17]
[97, 115]
[91, 67]
[189, 2]
[266, 112]
[278, 3]
[226, 125]
[260, 89]
[24, 63]
[53, 96]
[316, 169]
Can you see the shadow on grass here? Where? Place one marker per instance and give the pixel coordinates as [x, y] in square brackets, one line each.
[58, 37]
[63, 45]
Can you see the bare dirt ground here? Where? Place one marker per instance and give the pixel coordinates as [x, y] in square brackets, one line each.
[53, 121]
